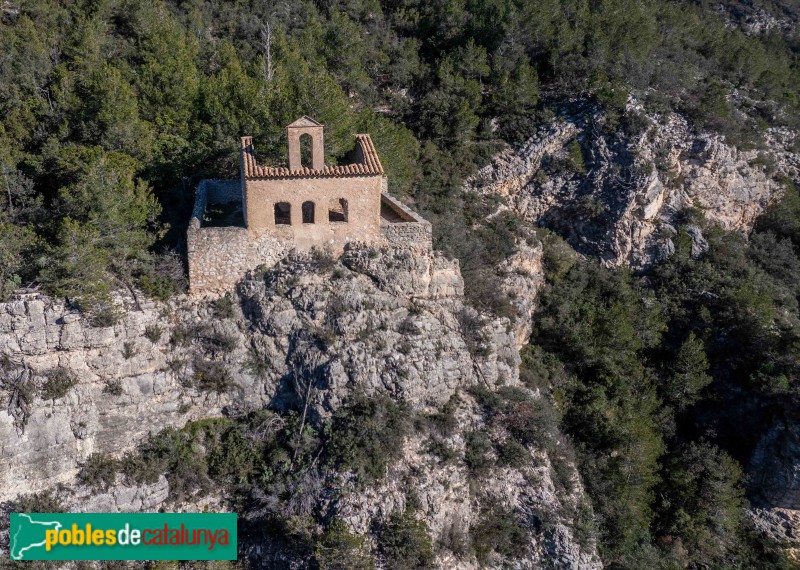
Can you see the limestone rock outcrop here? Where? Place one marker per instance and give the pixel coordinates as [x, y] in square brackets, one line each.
[386, 320]
[620, 197]
[774, 478]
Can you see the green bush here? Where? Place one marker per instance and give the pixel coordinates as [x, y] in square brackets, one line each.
[444, 421]
[181, 336]
[528, 420]
[562, 462]
[215, 341]
[99, 471]
[498, 530]
[234, 458]
[340, 549]
[128, 350]
[540, 370]
[58, 384]
[405, 543]
[159, 287]
[575, 154]
[139, 468]
[558, 256]
[179, 454]
[211, 376]
[223, 307]
[478, 452]
[590, 207]
[367, 435]
[440, 449]
[323, 259]
[44, 502]
[206, 336]
[531, 422]
[153, 333]
[485, 397]
[513, 454]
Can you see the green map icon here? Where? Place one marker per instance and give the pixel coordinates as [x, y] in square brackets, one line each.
[28, 535]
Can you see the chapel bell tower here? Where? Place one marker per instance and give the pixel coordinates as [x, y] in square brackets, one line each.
[301, 127]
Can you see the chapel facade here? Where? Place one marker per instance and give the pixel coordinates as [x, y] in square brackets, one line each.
[237, 226]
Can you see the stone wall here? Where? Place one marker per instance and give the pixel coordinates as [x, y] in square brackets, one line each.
[412, 231]
[220, 257]
[363, 204]
[214, 192]
[408, 234]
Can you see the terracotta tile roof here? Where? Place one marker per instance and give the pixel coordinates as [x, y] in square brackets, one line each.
[370, 164]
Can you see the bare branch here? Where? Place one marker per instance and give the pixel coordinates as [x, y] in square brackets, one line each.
[266, 37]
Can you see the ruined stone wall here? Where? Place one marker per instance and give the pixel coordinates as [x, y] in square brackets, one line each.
[220, 257]
[411, 231]
[363, 201]
[215, 192]
[408, 234]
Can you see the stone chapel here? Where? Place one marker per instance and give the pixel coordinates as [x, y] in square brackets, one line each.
[237, 225]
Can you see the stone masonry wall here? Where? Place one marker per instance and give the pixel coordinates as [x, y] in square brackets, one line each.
[413, 231]
[408, 234]
[363, 203]
[220, 257]
[215, 192]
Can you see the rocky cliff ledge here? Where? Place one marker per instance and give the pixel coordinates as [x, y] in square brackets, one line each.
[388, 321]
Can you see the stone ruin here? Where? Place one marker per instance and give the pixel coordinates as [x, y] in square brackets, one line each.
[237, 225]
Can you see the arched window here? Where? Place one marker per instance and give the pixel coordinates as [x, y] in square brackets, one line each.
[283, 214]
[306, 150]
[308, 212]
[337, 211]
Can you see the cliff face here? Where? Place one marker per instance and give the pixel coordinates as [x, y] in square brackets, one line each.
[775, 482]
[135, 377]
[385, 321]
[43, 440]
[620, 197]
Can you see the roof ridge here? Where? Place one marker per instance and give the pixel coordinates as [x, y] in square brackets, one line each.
[371, 165]
[304, 122]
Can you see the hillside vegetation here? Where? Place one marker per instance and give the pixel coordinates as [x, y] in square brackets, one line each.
[111, 110]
